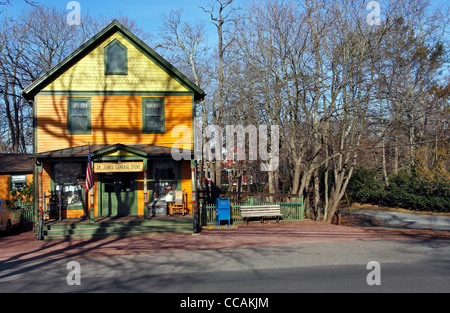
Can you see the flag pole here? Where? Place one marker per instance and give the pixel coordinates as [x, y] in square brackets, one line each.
[86, 198]
[90, 184]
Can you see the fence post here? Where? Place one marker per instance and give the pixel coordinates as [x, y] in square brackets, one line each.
[203, 213]
[302, 208]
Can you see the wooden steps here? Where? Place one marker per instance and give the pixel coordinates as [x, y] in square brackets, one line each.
[86, 230]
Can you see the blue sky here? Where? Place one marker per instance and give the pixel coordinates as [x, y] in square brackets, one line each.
[147, 12]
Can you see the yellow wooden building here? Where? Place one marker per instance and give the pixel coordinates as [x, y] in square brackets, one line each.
[117, 96]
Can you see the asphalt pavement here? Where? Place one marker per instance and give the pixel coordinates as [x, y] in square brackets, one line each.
[408, 266]
[406, 220]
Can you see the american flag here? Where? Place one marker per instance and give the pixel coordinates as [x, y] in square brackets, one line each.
[89, 175]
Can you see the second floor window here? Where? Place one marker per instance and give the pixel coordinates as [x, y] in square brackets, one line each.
[153, 115]
[78, 116]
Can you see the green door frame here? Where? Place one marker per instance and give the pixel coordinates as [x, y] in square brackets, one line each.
[102, 156]
[101, 194]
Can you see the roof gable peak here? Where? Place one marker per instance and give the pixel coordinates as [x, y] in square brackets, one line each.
[114, 27]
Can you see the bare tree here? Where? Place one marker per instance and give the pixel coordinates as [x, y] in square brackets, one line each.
[32, 43]
[185, 46]
[317, 70]
[221, 13]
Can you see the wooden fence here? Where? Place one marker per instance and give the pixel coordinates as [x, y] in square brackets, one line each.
[292, 211]
[27, 212]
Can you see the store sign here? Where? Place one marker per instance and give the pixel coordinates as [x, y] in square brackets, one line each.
[112, 167]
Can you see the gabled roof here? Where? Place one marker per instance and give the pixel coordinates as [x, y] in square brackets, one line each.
[30, 91]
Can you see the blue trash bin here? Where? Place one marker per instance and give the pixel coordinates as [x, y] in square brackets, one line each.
[223, 211]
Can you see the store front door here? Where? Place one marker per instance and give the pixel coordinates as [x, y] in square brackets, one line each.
[119, 194]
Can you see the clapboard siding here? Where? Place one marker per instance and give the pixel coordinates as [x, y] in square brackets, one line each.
[114, 119]
[5, 186]
[46, 178]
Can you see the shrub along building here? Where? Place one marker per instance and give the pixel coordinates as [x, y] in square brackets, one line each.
[118, 97]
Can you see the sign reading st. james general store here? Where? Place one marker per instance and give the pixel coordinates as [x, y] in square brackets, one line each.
[111, 167]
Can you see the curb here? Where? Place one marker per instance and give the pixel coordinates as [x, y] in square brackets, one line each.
[220, 227]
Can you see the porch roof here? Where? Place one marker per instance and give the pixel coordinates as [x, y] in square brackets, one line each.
[16, 163]
[82, 151]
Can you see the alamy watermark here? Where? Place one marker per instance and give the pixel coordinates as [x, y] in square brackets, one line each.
[73, 278]
[374, 276]
[74, 16]
[260, 143]
[374, 16]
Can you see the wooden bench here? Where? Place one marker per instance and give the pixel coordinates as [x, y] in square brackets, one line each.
[262, 211]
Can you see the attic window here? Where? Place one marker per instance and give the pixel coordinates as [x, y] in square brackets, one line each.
[116, 62]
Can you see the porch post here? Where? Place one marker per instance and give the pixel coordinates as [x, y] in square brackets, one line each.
[145, 192]
[40, 192]
[194, 198]
[40, 215]
[91, 208]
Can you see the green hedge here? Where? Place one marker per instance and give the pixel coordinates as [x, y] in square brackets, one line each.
[406, 190]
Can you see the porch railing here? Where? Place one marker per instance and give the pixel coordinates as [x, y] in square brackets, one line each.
[292, 211]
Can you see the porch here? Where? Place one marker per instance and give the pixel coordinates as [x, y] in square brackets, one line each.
[128, 180]
[126, 226]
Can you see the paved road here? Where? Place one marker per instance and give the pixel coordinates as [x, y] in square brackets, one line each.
[403, 220]
[405, 266]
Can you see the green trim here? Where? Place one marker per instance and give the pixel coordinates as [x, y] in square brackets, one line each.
[69, 116]
[38, 168]
[52, 175]
[122, 158]
[91, 212]
[94, 42]
[135, 202]
[115, 93]
[34, 126]
[98, 154]
[146, 128]
[35, 191]
[106, 51]
[99, 195]
[167, 67]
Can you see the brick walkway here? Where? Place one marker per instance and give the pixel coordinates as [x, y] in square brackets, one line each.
[22, 245]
